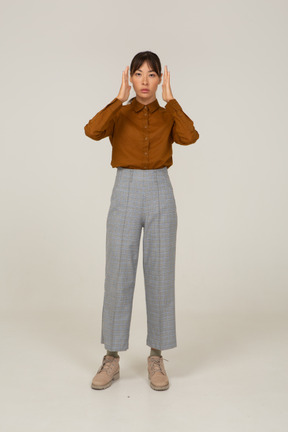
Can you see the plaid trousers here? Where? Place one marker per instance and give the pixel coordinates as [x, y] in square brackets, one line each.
[140, 199]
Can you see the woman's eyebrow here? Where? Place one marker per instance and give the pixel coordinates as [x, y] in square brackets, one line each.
[148, 71]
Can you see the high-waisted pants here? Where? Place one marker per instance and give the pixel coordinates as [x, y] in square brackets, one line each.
[140, 199]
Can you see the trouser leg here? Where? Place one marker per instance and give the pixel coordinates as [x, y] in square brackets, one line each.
[123, 232]
[159, 248]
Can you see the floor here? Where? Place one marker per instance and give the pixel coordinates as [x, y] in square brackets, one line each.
[228, 373]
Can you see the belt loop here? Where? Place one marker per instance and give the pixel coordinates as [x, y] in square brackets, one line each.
[131, 175]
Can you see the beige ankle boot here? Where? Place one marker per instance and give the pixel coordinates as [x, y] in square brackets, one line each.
[157, 374]
[108, 372]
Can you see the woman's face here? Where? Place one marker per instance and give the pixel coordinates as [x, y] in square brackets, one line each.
[145, 78]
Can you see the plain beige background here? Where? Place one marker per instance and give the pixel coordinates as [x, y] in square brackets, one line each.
[61, 62]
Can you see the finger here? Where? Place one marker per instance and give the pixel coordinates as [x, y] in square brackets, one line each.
[125, 76]
[127, 71]
[166, 74]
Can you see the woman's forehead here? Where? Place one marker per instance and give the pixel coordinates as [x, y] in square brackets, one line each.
[145, 65]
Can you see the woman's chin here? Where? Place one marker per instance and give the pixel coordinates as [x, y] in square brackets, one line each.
[146, 95]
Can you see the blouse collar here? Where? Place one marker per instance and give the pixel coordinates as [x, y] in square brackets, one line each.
[138, 106]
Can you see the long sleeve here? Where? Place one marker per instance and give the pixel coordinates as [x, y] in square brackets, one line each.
[183, 130]
[102, 124]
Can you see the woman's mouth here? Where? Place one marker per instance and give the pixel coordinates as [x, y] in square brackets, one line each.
[145, 90]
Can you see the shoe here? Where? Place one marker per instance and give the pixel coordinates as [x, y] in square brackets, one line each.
[108, 372]
[157, 374]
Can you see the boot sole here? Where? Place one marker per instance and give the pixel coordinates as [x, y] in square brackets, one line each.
[159, 388]
[104, 386]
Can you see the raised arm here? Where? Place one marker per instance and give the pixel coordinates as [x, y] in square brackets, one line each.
[102, 124]
[183, 130]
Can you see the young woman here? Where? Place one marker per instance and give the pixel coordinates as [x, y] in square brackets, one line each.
[141, 133]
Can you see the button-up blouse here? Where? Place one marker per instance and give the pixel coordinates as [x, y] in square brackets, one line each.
[142, 135]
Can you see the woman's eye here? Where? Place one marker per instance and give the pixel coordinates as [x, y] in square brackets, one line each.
[151, 75]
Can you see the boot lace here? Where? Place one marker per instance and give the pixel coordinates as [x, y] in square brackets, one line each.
[156, 366]
[107, 365]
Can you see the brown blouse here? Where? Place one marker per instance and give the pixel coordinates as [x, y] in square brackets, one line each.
[142, 135]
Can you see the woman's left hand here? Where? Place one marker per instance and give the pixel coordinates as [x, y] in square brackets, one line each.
[166, 88]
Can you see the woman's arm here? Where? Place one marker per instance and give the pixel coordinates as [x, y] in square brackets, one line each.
[102, 124]
[183, 130]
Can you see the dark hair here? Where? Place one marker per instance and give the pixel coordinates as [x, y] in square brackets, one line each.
[145, 56]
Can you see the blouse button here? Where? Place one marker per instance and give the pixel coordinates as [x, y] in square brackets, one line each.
[146, 138]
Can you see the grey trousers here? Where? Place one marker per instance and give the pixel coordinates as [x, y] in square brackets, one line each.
[140, 199]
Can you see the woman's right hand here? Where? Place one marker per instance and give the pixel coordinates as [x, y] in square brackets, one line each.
[125, 88]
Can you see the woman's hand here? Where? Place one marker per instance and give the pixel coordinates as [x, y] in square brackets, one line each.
[125, 87]
[166, 88]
